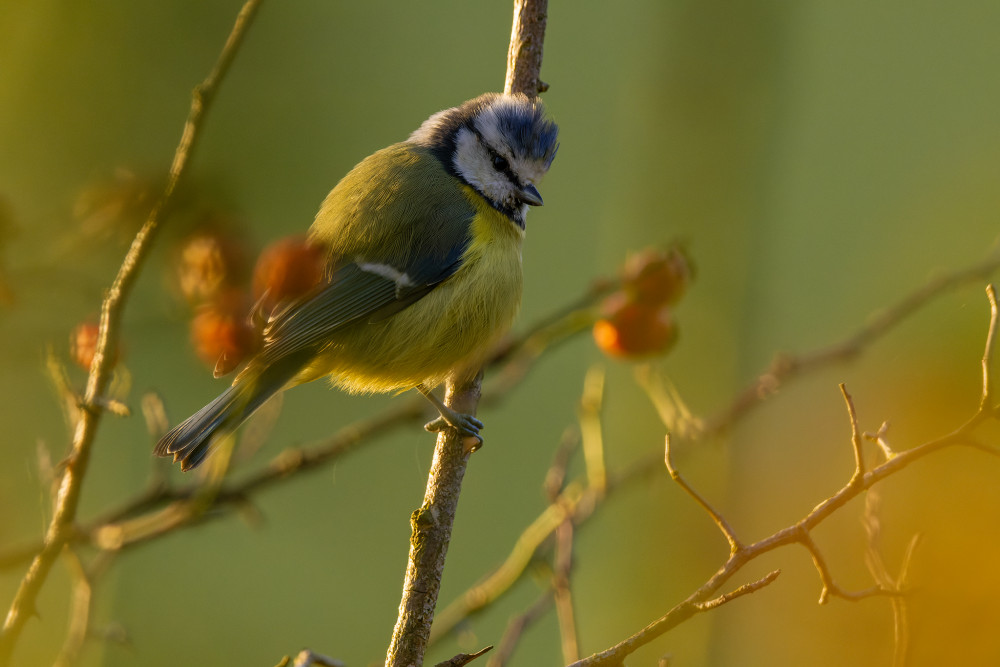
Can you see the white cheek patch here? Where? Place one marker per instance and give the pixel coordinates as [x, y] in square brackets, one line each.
[473, 163]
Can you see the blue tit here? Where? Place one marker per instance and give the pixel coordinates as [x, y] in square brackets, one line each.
[422, 262]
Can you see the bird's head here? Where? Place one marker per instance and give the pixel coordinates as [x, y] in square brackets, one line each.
[500, 145]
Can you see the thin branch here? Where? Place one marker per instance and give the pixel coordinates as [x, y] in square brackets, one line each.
[591, 429]
[516, 628]
[694, 604]
[799, 532]
[879, 439]
[880, 573]
[490, 588]
[720, 521]
[555, 477]
[830, 587]
[563, 594]
[463, 659]
[788, 367]
[576, 502]
[307, 658]
[986, 402]
[80, 612]
[859, 455]
[901, 626]
[75, 469]
[745, 589]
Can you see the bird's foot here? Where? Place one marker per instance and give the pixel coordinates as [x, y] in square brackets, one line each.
[467, 426]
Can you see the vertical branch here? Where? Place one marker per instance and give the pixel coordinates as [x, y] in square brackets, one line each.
[524, 57]
[75, 465]
[562, 594]
[431, 534]
[433, 521]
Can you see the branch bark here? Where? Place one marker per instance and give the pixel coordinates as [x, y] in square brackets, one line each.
[432, 525]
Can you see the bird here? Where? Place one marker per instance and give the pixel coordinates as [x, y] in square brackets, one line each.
[420, 245]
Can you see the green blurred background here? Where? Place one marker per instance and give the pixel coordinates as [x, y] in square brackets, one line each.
[821, 159]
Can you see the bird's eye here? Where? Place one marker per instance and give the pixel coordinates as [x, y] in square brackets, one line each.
[500, 163]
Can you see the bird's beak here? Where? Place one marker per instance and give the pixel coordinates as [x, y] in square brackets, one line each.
[529, 195]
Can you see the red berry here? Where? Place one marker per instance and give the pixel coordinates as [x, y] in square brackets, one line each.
[83, 344]
[286, 269]
[631, 329]
[221, 332]
[655, 276]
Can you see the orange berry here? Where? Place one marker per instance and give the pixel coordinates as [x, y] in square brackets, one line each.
[631, 329]
[83, 344]
[209, 261]
[657, 276]
[286, 269]
[221, 332]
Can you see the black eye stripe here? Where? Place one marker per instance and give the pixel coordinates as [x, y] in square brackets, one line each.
[504, 167]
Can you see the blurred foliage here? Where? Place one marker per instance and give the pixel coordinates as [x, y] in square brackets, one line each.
[821, 159]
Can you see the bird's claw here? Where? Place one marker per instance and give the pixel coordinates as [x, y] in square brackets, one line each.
[466, 425]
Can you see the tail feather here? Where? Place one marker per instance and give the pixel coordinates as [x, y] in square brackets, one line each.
[191, 441]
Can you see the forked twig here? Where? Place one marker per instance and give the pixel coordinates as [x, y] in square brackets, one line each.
[800, 531]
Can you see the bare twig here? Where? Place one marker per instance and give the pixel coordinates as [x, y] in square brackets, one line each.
[562, 593]
[307, 658]
[745, 589]
[576, 502]
[80, 612]
[901, 626]
[516, 628]
[720, 521]
[463, 659]
[694, 604]
[799, 532]
[859, 455]
[75, 468]
[880, 573]
[879, 439]
[555, 477]
[580, 503]
[986, 402]
[591, 428]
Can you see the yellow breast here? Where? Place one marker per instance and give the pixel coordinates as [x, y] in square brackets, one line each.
[450, 331]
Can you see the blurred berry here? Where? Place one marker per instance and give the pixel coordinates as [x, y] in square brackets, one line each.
[221, 332]
[83, 344]
[629, 329]
[286, 269]
[115, 207]
[210, 260]
[658, 276]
